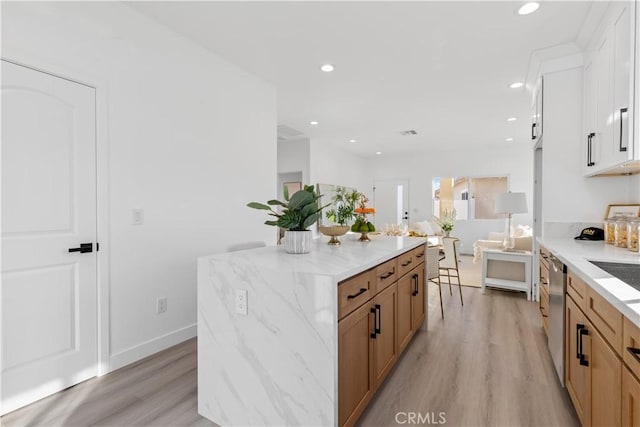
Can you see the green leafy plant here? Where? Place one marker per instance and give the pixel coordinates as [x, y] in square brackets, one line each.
[344, 202]
[298, 212]
[447, 220]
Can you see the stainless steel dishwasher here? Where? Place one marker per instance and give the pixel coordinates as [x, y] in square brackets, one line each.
[557, 292]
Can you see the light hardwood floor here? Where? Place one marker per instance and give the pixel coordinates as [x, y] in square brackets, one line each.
[486, 364]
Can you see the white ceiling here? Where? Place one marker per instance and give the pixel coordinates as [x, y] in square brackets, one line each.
[440, 68]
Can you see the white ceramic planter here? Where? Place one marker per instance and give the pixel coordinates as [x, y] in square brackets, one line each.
[298, 242]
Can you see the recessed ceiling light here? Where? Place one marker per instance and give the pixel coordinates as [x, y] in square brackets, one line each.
[511, 119]
[352, 140]
[378, 152]
[313, 122]
[327, 68]
[528, 8]
[509, 139]
[516, 85]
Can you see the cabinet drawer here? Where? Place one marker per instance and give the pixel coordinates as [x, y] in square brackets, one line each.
[631, 346]
[418, 254]
[354, 292]
[577, 289]
[605, 318]
[544, 256]
[406, 263]
[544, 309]
[386, 274]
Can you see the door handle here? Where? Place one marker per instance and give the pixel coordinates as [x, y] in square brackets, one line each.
[622, 111]
[415, 285]
[533, 129]
[83, 249]
[379, 319]
[404, 264]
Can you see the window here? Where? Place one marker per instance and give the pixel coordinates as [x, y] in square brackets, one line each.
[472, 198]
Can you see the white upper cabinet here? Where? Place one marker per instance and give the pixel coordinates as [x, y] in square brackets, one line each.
[608, 145]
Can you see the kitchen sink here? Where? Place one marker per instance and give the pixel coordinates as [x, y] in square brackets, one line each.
[628, 273]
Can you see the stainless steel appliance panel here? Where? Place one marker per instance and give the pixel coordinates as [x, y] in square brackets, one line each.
[557, 292]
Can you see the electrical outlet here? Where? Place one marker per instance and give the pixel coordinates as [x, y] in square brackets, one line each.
[137, 216]
[241, 302]
[161, 305]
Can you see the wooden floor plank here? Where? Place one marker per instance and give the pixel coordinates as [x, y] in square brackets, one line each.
[485, 364]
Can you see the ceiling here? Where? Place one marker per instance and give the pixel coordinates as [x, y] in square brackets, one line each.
[442, 69]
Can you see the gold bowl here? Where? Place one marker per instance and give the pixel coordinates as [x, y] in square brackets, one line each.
[334, 231]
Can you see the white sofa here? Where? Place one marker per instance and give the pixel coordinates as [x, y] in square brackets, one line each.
[523, 237]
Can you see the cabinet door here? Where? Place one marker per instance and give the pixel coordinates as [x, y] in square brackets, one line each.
[405, 331]
[630, 399]
[418, 298]
[576, 375]
[385, 348]
[604, 385]
[601, 145]
[590, 110]
[621, 149]
[355, 358]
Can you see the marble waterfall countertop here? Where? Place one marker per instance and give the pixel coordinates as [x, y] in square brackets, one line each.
[277, 365]
[340, 261]
[576, 254]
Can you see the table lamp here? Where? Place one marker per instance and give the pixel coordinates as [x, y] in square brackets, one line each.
[510, 203]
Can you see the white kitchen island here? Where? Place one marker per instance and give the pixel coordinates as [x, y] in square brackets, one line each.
[278, 364]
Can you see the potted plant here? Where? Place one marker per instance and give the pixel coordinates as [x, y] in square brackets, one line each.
[344, 202]
[446, 221]
[298, 213]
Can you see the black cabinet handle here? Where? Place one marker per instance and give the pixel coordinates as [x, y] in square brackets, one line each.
[533, 129]
[583, 361]
[622, 111]
[415, 285]
[420, 255]
[590, 161]
[389, 274]
[578, 346]
[407, 263]
[360, 292]
[83, 249]
[635, 352]
[379, 319]
[375, 322]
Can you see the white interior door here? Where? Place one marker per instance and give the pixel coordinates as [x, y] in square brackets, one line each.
[391, 201]
[48, 207]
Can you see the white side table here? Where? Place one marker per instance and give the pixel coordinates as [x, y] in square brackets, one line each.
[507, 281]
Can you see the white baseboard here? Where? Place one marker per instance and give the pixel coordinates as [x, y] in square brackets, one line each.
[147, 348]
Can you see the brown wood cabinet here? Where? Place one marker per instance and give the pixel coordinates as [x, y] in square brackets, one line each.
[630, 399]
[576, 375]
[355, 362]
[543, 287]
[385, 349]
[382, 309]
[599, 374]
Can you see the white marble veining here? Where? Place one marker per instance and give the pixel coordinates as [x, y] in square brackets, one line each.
[576, 254]
[278, 364]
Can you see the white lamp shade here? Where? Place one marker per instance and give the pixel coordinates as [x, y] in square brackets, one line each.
[511, 203]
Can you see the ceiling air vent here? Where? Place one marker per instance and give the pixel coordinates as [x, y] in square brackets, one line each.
[408, 132]
[285, 132]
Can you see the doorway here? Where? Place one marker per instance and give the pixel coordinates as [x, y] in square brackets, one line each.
[391, 201]
[49, 229]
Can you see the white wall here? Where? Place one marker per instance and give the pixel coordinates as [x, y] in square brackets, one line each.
[190, 139]
[331, 165]
[512, 160]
